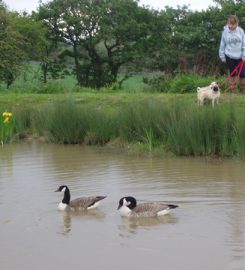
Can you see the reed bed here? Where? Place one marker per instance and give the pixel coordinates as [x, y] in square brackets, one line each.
[177, 126]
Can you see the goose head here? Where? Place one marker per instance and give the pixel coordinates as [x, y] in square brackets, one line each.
[67, 196]
[126, 205]
[62, 188]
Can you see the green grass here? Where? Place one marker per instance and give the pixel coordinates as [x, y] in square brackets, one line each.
[96, 99]
[172, 123]
[29, 81]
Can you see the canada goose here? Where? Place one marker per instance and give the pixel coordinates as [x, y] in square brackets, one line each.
[84, 203]
[128, 207]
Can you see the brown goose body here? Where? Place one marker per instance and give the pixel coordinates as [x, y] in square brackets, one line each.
[86, 202]
[83, 203]
[128, 207]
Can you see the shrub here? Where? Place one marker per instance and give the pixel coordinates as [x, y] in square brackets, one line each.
[185, 84]
[178, 84]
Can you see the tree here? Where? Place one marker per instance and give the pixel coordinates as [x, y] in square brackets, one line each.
[165, 48]
[183, 41]
[33, 33]
[124, 33]
[198, 37]
[104, 35]
[46, 49]
[12, 55]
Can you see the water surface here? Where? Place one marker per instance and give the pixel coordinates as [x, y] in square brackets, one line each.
[205, 232]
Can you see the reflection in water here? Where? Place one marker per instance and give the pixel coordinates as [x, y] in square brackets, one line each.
[130, 225]
[66, 228]
[236, 237]
[70, 216]
[6, 159]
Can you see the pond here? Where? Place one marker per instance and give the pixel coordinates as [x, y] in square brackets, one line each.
[207, 231]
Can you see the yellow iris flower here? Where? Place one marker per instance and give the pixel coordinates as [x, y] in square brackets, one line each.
[6, 120]
[7, 117]
[7, 114]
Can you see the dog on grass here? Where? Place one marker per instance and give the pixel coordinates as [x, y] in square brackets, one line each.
[211, 92]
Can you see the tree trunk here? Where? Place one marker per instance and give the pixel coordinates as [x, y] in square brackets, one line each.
[77, 65]
[45, 71]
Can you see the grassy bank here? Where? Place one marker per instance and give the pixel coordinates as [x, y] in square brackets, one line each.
[162, 122]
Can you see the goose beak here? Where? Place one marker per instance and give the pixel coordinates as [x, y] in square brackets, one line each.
[56, 190]
[118, 207]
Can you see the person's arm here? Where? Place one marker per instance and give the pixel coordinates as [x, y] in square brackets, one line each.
[222, 48]
[243, 46]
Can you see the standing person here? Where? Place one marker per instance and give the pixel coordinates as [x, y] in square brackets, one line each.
[232, 49]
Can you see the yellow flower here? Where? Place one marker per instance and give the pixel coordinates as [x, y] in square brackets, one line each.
[6, 117]
[6, 120]
[7, 114]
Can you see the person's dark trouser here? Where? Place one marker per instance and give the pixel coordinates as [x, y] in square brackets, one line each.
[232, 64]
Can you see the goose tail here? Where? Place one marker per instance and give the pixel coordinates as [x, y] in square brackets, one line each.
[172, 206]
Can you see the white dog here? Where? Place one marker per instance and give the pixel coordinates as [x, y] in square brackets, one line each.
[211, 92]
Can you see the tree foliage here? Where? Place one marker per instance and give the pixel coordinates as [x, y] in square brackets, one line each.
[184, 41]
[101, 39]
[11, 49]
[103, 35]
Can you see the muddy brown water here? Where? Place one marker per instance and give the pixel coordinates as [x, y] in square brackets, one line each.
[207, 231]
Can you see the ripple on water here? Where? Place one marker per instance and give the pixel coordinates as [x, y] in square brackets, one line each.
[205, 232]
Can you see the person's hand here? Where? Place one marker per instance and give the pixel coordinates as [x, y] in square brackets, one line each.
[223, 60]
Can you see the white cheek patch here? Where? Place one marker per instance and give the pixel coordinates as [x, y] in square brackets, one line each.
[63, 189]
[124, 202]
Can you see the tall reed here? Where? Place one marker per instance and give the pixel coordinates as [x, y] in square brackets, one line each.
[63, 122]
[186, 129]
[140, 121]
[101, 128]
[204, 130]
[178, 126]
[72, 123]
